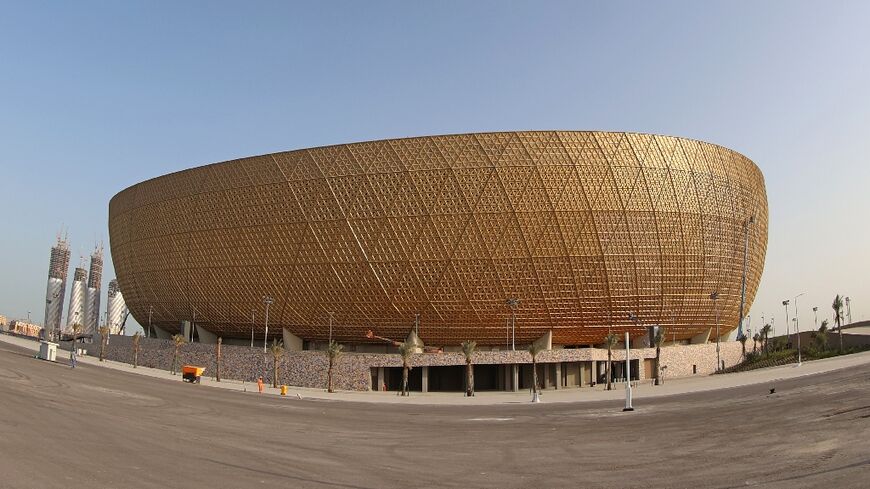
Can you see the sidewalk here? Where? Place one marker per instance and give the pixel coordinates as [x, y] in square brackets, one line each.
[585, 394]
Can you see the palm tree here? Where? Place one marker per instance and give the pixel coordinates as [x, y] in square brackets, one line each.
[104, 341]
[217, 359]
[755, 339]
[765, 333]
[468, 348]
[276, 349]
[179, 341]
[838, 318]
[610, 341]
[534, 349]
[136, 339]
[659, 340]
[742, 339]
[406, 350]
[821, 336]
[333, 353]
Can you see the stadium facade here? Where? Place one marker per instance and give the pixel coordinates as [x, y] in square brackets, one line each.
[590, 232]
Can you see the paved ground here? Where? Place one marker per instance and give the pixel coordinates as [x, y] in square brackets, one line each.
[97, 427]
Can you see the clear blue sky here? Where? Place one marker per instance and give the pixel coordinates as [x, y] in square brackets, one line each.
[96, 96]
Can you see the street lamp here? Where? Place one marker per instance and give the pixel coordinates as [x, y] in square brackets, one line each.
[797, 329]
[816, 315]
[714, 296]
[787, 333]
[252, 327]
[746, 223]
[268, 301]
[513, 303]
[797, 325]
[330, 326]
[150, 312]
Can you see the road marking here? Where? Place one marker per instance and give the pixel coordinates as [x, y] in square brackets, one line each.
[490, 419]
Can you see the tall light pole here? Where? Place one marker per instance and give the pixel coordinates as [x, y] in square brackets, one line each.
[268, 301]
[797, 329]
[628, 406]
[252, 327]
[746, 223]
[797, 325]
[787, 331]
[150, 312]
[816, 315]
[192, 326]
[714, 296]
[513, 303]
[848, 309]
[330, 328]
[28, 317]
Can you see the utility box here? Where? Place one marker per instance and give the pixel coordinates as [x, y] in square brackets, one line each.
[47, 351]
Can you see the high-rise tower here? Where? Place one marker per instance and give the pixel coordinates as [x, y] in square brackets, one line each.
[115, 307]
[92, 294]
[77, 298]
[58, 266]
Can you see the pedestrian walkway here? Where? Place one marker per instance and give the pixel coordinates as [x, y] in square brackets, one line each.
[767, 377]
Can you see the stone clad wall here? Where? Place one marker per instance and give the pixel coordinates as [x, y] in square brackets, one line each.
[308, 368]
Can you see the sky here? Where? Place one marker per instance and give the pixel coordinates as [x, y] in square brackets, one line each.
[97, 96]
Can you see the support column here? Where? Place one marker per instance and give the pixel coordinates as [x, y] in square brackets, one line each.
[380, 378]
[205, 336]
[425, 379]
[546, 375]
[515, 369]
[291, 341]
[558, 375]
[594, 371]
[186, 330]
[161, 333]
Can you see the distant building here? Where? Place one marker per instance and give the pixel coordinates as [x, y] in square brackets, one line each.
[58, 267]
[24, 328]
[4, 323]
[77, 297]
[92, 294]
[116, 309]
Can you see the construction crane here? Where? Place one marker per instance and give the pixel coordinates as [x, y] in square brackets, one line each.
[426, 349]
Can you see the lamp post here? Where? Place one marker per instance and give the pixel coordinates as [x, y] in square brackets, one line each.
[330, 327]
[150, 312]
[746, 223]
[787, 331]
[28, 317]
[714, 296]
[513, 303]
[268, 301]
[798, 331]
[628, 406]
[816, 315]
[252, 327]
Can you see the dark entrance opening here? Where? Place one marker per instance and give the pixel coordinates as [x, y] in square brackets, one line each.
[444, 379]
[394, 379]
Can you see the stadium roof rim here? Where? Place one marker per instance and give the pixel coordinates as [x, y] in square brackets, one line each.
[405, 138]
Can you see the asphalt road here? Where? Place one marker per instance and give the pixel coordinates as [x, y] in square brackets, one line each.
[95, 427]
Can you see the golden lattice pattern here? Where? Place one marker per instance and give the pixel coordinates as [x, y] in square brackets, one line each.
[582, 227]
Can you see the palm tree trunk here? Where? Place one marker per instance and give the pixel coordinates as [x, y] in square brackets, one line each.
[469, 379]
[275, 374]
[135, 358]
[658, 365]
[840, 335]
[534, 376]
[405, 381]
[175, 360]
[217, 370]
[607, 370]
[329, 377]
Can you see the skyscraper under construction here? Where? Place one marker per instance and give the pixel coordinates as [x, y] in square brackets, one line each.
[58, 267]
[77, 298]
[92, 294]
[115, 307]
